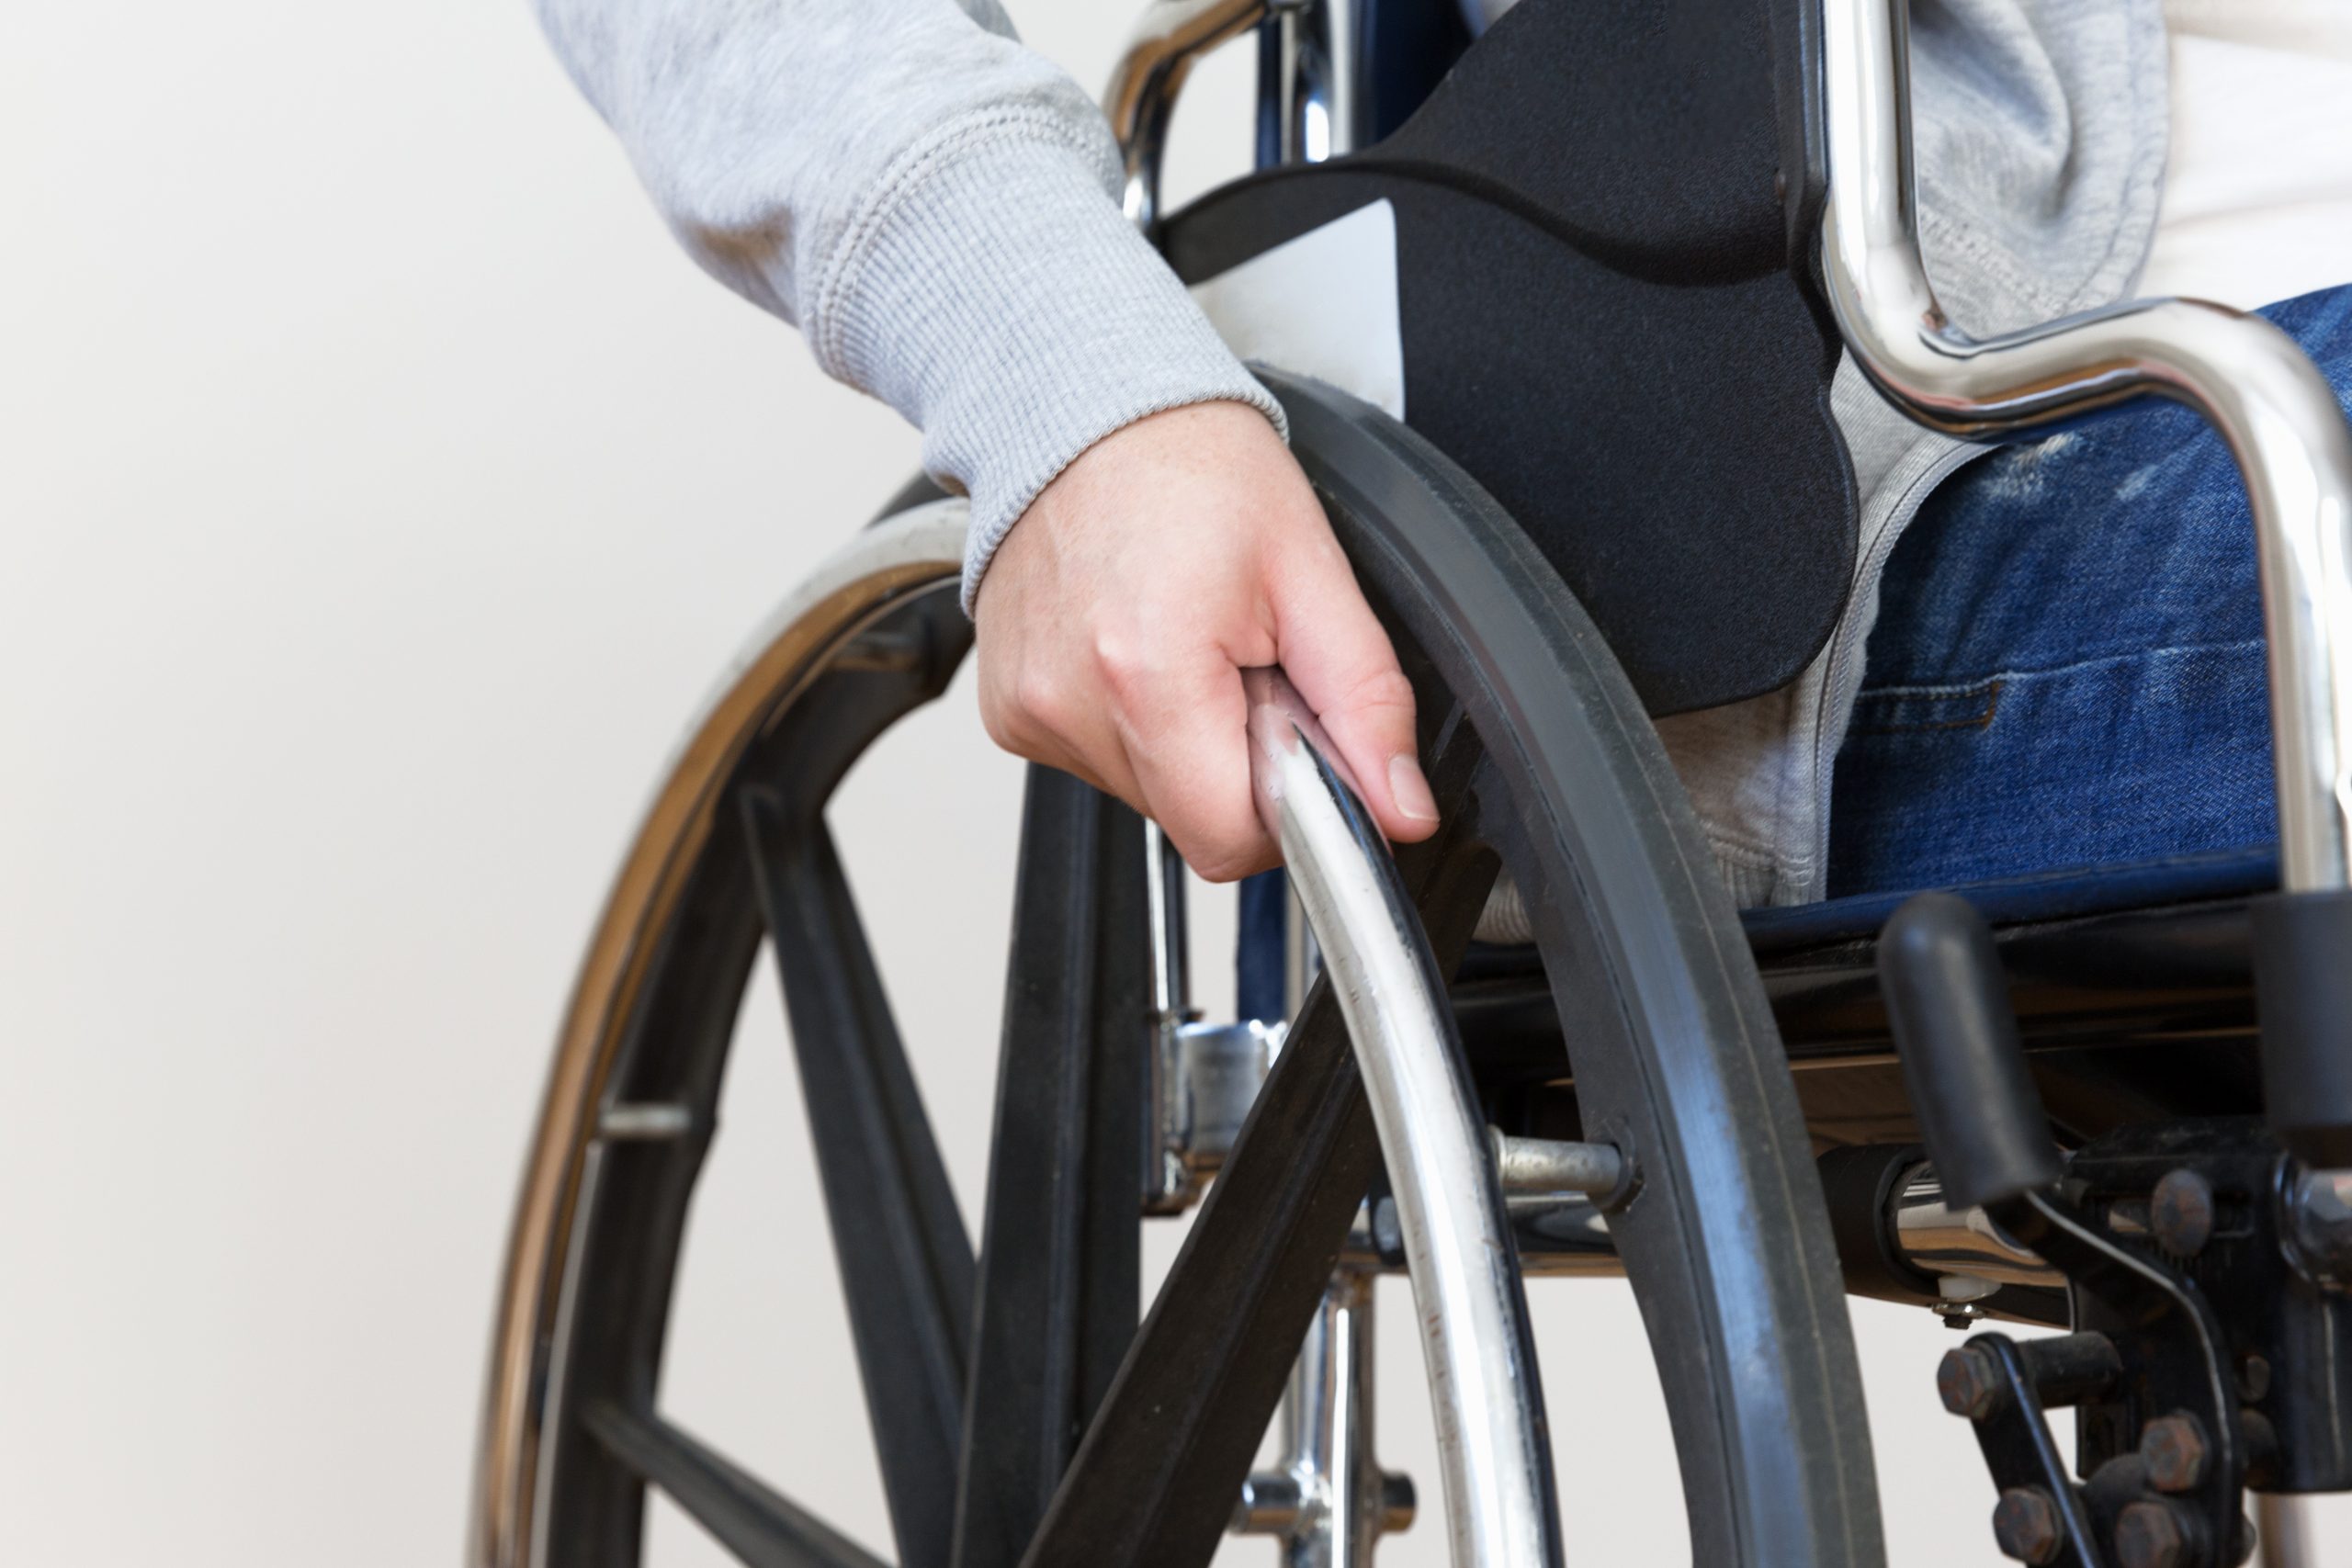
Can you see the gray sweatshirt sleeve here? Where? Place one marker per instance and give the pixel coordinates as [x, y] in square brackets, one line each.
[930, 202]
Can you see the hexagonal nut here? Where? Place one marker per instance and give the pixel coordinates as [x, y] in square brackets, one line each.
[2026, 1526]
[2148, 1535]
[2173, 1448]
[2180, 1212]
[1969, 1383]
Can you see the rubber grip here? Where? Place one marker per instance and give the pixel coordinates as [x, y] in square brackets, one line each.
[1962, 1066]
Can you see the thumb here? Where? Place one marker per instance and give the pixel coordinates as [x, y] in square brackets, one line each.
[1336, 653]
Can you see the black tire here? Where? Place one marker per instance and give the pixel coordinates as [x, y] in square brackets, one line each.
[1674, 1053]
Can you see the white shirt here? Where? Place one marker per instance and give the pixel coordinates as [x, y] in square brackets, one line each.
[2258, 203]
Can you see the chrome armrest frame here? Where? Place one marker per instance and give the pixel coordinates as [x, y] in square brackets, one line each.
[2247, 378]
[1141, 98]
[1318, 96]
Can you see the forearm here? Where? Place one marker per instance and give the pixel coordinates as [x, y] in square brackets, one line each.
[931, 202]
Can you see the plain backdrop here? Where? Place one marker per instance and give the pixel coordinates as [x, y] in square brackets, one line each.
[380, 490]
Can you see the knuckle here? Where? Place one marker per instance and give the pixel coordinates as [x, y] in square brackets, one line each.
[1128, 668]
[1001, 714]
[1379, 691]
[1219, 867]
[1223, 857]
[1239, 867]
[1002, 728]
[1041, 702]
[995, 716]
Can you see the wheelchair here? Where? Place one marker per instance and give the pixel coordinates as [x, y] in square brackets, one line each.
[1544, 1042]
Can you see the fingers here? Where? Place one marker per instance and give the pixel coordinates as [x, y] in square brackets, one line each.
[1164, 735]
[1338, 657]
[1057, 722]
[1159, 720]
[1183, 730]
[1117, 617]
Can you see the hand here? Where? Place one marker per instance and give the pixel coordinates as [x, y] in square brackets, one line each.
[1117, 616]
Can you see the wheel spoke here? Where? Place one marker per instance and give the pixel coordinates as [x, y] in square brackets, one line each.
[740, 1512]
[1061, 1256]
[1158, 1475]
[904, 1256]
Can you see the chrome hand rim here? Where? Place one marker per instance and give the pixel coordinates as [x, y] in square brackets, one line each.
[1449, 1204]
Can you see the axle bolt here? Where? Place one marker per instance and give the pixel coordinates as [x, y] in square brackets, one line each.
[2148, 1535]
[1969, 1383]
[2025, 1525]
[2173, 1448]
[2181, 1212]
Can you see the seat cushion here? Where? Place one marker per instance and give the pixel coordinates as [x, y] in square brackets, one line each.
[2044, 895]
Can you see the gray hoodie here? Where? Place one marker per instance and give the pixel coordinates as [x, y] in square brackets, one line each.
[935, 208]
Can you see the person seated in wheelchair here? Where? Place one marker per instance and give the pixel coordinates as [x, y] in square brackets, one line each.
[2051, 654]
[1605, 331]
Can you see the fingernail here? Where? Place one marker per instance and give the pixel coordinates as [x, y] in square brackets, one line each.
[1409, 790]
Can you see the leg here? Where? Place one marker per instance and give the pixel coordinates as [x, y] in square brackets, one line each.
[2068, 664]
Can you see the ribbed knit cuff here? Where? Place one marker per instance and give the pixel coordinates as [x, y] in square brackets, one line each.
[995, 295]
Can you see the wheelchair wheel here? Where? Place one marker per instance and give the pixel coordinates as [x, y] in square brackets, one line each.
[1020, 1414]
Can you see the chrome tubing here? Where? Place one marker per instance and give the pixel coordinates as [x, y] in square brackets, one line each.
[1329, 1502]
[1168, 1187]
[2247, 378]
[1536, 1169]
[1945, 1243]
[1141, 98]
[1456, 1236]
[918, 551]
[2283, 1526]
[1317, 100]
[1171, 964]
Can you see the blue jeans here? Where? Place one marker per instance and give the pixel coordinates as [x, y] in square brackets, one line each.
[2067, 668]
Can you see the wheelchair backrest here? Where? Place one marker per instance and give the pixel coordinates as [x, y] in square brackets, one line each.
[1610, 316]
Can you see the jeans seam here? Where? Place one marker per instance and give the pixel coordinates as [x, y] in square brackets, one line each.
[1992, 689]
[1961, 688]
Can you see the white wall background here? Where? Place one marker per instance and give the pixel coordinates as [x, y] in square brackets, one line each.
[378, 491]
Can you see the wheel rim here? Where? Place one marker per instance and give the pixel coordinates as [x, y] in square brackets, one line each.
[901, 559]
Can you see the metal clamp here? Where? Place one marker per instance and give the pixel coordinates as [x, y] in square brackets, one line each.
[1329, 1501]
[1449, 1203]
[1205, 1078]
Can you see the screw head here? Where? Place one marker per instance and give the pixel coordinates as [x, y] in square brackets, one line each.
[2148, 1535]
[1969, 1383]
[2025, 1525]
[2181, 1212]
[2173, 1448]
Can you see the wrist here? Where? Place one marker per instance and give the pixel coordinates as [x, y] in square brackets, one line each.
[1001, 301]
